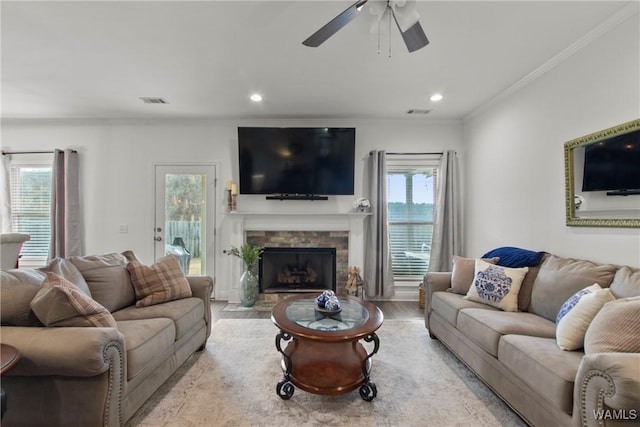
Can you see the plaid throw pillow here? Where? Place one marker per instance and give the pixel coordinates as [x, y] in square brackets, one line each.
[61, 303]
[163, 281]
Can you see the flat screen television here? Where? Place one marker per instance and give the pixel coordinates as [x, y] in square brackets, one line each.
[296, 161]
[613, 164]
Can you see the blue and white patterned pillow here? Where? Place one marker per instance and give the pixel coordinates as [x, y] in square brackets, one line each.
[496, 286]
[576, 315]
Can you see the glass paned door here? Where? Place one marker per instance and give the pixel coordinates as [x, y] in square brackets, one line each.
[184, 216]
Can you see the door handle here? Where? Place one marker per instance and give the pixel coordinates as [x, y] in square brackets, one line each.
[157, 239]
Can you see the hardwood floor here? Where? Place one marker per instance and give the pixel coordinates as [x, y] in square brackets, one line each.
[392, 310]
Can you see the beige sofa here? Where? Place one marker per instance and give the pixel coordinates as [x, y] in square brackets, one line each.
[517, 354]
[95, 376]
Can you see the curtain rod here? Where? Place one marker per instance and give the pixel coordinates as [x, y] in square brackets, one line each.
[31, 152]
[416, 154]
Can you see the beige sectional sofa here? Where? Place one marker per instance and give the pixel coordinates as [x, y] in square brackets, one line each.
[88, 375]
[516, 353]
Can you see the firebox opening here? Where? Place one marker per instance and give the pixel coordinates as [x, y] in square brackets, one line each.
[297, 270]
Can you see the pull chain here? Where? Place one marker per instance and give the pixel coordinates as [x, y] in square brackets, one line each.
[379, 35]
[390, 12]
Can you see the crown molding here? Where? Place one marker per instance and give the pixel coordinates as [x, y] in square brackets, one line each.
[610, 23]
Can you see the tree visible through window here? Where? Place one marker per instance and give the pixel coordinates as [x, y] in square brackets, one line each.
[410, 199]
[31, 209]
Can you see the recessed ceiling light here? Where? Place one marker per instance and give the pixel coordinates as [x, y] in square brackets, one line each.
[256, 97]
[436, 97]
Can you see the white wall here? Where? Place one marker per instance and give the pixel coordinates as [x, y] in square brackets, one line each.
[117, 159]
[514, 153]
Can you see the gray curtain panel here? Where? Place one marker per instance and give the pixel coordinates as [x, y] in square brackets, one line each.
[378, 276]
[447, 227]
[65, 206]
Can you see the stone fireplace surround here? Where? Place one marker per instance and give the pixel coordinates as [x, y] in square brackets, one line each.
[343, 231]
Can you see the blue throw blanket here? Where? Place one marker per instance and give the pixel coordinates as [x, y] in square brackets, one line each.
[515, 257]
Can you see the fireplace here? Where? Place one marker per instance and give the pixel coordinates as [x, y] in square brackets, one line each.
[297, 269]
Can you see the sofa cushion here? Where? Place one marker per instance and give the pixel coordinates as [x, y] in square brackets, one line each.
[108, 279]
[559, 278]
[485, 327]
[462, 273]
[17, 289]
[626, 282]
[496, 286]
[161, 282]
[576, 314]
[539, 362]
[186, 314]
[616, 328]
[524, 296]
[146, 342]
[447, 305]
[64, 267]
[61, 303]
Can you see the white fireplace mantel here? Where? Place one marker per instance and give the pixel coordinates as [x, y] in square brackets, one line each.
[308, 221]
[241, 222]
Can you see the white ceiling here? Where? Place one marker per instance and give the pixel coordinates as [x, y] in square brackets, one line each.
[94, 59]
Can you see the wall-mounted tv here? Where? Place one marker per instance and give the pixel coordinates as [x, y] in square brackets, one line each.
[613, 165]
[296, 161]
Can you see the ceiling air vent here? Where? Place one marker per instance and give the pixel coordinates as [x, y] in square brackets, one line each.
[418, 111]
[153, 100]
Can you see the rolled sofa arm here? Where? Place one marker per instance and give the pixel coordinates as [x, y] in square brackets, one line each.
[607, 390]
[434, 282]
[75, 352]
[202, 287]
[60, 367]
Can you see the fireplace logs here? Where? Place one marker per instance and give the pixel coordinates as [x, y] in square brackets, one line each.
[293, 275]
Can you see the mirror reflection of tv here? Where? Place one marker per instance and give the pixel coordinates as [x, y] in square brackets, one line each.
[613, 165]
[296, 161]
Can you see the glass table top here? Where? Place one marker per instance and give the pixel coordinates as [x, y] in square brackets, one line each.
[304, 312]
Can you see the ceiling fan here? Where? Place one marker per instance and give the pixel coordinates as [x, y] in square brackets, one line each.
[408, 25]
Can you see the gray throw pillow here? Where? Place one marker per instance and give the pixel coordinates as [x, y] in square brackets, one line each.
[559, 278]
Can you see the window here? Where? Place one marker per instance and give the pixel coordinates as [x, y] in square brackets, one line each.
[31, 207]
[411, 181]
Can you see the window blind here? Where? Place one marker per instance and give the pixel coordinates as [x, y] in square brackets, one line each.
[31, 208]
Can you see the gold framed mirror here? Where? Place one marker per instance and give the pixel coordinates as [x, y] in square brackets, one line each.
[593, 198]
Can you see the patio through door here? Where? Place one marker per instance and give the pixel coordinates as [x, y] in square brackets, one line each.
[184, 216]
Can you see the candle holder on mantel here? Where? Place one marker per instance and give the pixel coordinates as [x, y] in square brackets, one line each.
[234, 197]
[229, 200]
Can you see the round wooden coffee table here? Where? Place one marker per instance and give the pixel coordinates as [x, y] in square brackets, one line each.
[324, 354]
[9, 356]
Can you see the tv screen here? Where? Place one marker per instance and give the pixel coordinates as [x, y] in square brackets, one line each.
[613, 164]
[296, 161]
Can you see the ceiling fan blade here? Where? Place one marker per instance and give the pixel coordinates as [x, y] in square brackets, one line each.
[332, 27]
[414, 37]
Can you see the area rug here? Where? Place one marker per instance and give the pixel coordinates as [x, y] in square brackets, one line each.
[258, 306]
[232, 383]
